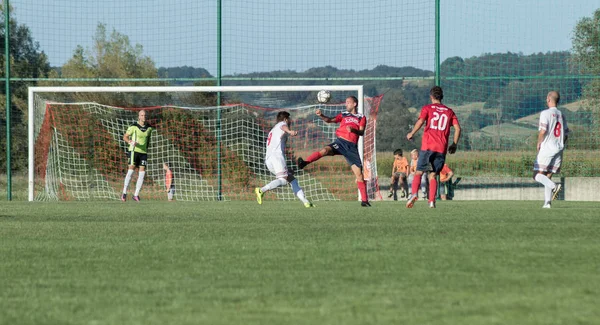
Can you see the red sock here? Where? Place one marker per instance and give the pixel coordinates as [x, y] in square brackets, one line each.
[432, 189]
[362, 188]
[313, 157]
[416, 184]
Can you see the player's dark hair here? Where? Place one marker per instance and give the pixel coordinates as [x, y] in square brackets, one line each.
[437, 93]
[282, 116]
[398, 152]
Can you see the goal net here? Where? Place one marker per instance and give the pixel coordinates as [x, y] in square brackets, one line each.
[215, 152]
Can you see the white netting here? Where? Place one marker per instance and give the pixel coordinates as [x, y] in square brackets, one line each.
[80, 155]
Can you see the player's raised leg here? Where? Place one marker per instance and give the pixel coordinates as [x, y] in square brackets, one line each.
[325, 151]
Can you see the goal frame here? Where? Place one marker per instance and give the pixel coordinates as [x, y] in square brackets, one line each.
[149, 89]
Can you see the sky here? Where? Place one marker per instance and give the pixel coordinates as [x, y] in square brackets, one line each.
[268, 35]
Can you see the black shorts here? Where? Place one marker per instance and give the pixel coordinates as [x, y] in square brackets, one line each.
[431, 161]
[347, 149]
[137, 159]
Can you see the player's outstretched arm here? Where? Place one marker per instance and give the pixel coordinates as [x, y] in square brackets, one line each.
[287, 130]
[324, 117]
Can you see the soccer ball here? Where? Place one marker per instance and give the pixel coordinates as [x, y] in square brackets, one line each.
[323, 96]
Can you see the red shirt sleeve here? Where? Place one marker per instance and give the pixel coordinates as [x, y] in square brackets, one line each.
[338, 118]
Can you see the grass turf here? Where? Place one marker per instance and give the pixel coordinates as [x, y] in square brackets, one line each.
[279, 263]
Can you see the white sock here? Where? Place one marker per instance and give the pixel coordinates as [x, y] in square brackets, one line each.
[139, 183]
[547, 194]
[274, 184]
[127, 180]
[541, 178]
[298, 191]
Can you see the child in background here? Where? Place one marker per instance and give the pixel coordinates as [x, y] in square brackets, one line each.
[169, 184]
[445, 181]
[399, 174]
[414, 156]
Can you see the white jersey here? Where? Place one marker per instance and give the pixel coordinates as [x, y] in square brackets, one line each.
[276, 141]
[553, 122]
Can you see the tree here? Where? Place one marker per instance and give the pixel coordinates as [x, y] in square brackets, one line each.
[112, 56]
[394, 121]
[26, 61]
[586, 58]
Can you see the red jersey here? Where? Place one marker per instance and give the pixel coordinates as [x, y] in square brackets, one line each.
[356, 121]
[438, 119]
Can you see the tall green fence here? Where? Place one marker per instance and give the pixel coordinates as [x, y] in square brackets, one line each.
[496, 60]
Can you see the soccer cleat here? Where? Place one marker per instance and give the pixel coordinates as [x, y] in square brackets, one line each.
[411, 200]
[432, 205]
[259, 195]
[402, 194]
[391, 194]
[301, 163]
[555, 191]
[424, 195]
[309, 204]
[136, 198]
[365, 204]
[546, 205]
[123, 197]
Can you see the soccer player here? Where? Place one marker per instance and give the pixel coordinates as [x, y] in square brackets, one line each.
[352, 126]
[138, 138]
[399, 174]
[169, 182]
[552, 136]
[437, 118]
[275, 160]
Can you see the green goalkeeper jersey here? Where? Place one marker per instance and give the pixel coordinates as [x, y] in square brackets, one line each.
[141, 135]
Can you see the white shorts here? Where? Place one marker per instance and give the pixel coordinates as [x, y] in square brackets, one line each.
[548, 163]
[277, 166]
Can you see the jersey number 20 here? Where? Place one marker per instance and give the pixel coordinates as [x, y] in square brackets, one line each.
[439, 122]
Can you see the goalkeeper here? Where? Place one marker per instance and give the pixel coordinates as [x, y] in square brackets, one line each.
[138, 138]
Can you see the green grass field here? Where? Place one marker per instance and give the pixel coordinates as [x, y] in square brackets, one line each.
[279, 263]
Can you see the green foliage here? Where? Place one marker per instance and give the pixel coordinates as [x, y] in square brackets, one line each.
[395, 120]
[27, 60]
[112, 56]
[183, 72]
[512, 82]
[586, 58]
[586, 44]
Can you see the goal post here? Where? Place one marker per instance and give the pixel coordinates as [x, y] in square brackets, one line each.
[75, 140]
